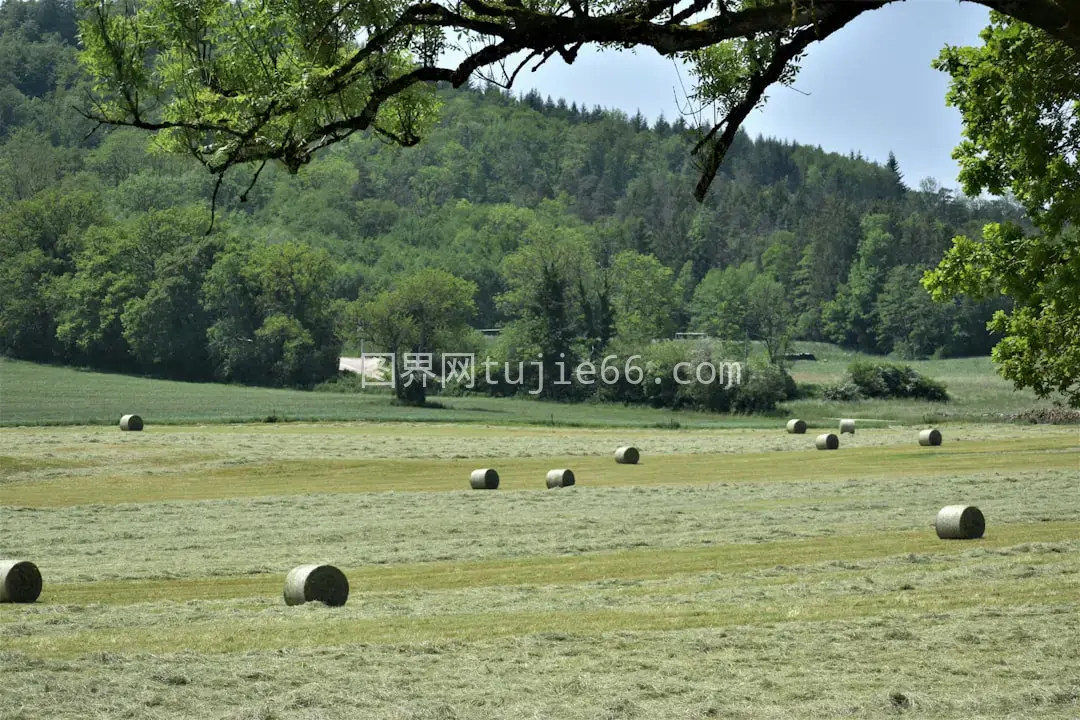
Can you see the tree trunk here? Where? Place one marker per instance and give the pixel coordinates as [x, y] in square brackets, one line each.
[409, 391]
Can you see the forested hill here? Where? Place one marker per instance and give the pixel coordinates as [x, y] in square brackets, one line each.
[105, 260]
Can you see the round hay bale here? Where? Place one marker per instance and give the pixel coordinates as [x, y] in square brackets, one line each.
[484, 479]
[131, 422]
[796, 427]
[627, 456]
[960, 522]
[930, 437]
[828, 441]
[316, 583]
[20, 581]
[560, 478]
[847, 426]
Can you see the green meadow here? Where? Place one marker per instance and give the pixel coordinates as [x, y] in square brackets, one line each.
[47, 395]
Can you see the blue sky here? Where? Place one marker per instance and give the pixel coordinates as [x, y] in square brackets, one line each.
[870, 87]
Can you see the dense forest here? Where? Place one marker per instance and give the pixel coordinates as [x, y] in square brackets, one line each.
[573, 228]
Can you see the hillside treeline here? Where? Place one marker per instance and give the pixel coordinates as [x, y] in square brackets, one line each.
[573, 228]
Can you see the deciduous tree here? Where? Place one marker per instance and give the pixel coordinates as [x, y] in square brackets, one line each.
[426, 312]
[1019, 95]
[644, 298]
[275, 321]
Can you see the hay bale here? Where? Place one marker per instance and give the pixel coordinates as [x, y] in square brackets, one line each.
[560, 478]
[316, 583]
[484, 479]
[131, 422]
[828, 441]
[627, 456]
[960, 522]
[796, 427]
[929, 438]
[20, 581]
[847, 426]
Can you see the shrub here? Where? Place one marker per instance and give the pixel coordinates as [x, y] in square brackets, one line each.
[756, 390]
[929, 389]
[658, 387]
[889, 380]
[763, 390]
[844, 392]
[343, 382]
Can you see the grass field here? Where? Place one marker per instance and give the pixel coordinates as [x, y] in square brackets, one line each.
[734, 573]
[35, 395]
[978, 393]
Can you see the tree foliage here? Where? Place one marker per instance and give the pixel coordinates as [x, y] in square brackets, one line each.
[550, 300]
[643, 299]
[276, 321]
[233, 83]
[426, 312]
[1019, 95]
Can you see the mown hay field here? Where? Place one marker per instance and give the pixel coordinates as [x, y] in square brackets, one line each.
[732, 573]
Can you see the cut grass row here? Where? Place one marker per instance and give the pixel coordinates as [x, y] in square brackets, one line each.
[104, 449]
[978, 663]
[1052, 451]
[641, 564]
[316, 627]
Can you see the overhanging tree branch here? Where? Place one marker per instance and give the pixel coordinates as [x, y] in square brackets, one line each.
[714, 149]
[375, 73]
[1060, 19]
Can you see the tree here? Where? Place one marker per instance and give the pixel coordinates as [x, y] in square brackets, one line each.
[166, 328]
[275, 322]
[1040, 348]
[910, 324]
[768, 316]
[115, 265]
[893, 166]
[684, 295]
[545, 302]
[37, 238]
[644, 297]
[233, 83]
[1018, 95]
[31, 163]
[849, 318]
[737, 303]
[719, 307]
[425, 312]
[781, 256]
[833, 233]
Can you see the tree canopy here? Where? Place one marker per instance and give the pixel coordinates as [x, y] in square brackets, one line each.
[1019, 94]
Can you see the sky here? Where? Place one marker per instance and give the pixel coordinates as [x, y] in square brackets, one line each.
[869, 88]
